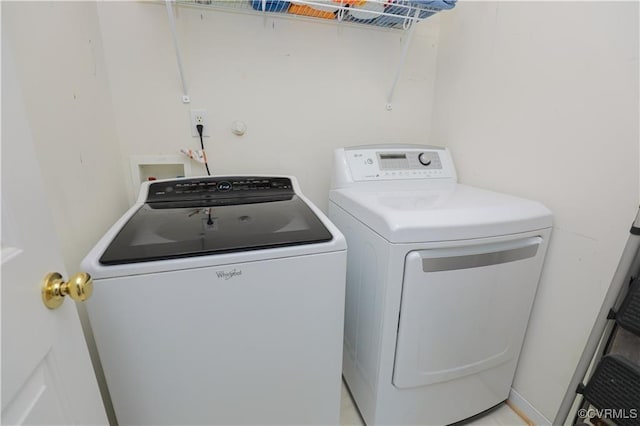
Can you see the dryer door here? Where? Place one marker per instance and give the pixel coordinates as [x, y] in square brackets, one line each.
[464, 309]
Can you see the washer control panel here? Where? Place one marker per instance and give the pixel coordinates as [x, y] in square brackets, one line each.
[404, 163]
[218, 187]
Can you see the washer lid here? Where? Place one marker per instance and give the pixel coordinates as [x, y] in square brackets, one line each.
[440, 212]
[170, 230]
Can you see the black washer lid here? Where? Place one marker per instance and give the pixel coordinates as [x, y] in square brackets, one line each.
[191, 219]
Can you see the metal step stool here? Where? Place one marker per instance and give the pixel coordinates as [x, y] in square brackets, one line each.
[612, 392]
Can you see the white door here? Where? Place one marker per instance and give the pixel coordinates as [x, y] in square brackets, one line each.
[47, 376]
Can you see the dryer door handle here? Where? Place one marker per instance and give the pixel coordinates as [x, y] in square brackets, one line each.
[475, 256]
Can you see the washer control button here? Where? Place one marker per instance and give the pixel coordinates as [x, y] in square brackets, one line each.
[224, 186]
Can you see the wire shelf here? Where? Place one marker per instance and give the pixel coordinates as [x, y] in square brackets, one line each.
[400, 14]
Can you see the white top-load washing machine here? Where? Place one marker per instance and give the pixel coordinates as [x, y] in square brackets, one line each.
[441, 278]
[220, 300]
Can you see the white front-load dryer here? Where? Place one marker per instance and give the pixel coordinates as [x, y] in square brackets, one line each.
[441, 278]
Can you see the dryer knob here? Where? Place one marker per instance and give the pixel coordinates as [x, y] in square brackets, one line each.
[424, 160]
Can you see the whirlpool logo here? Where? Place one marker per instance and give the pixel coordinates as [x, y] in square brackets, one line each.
[227, 275]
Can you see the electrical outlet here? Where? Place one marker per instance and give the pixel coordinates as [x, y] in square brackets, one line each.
[199, 116]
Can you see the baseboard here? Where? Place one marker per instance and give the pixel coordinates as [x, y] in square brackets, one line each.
[524, 409]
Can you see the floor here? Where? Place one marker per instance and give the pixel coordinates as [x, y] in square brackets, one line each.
[503, 416]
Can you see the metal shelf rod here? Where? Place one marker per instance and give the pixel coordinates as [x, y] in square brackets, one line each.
[174, 33]
[403, 56]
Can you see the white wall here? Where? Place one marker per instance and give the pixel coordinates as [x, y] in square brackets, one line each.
[58, 53]
[303, 88]
[540, 100]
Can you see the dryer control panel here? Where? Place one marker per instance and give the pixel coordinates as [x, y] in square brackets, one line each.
[392, 162]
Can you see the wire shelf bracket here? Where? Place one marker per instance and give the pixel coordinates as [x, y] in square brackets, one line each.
[403, 56]
[172, 23]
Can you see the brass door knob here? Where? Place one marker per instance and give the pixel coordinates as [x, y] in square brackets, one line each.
[54, 288]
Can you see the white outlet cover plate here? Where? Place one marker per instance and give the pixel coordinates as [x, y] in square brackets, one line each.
[203, 114]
